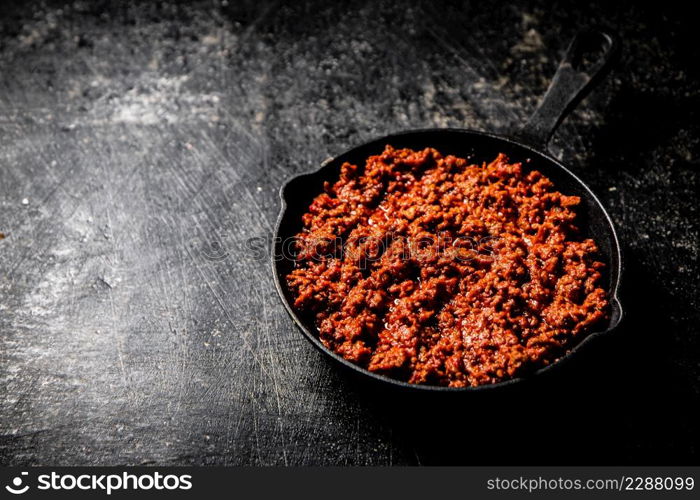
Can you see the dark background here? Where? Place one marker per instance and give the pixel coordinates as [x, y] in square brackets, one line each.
[142, 144]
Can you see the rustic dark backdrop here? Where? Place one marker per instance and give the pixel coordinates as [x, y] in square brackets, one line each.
[143, 143]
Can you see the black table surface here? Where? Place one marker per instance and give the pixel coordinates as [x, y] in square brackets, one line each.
[142, 146]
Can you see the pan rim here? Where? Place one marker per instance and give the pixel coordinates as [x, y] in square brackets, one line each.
[616, 255]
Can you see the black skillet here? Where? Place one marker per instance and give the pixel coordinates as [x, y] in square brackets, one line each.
[587, 58]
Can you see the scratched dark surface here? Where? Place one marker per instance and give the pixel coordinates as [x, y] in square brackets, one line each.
[142, 145]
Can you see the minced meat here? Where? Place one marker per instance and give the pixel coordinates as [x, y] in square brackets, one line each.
[432, 270]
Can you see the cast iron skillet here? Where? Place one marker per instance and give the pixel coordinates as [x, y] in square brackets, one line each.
[587, 58]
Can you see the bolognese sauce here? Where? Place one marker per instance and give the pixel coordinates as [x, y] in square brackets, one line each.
[432, 270]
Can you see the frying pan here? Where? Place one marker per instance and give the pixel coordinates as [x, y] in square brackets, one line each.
[587, 59]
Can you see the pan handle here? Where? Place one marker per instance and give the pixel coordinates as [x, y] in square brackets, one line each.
[587, 59]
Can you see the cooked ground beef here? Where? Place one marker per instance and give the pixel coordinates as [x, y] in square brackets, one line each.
[432, 270]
